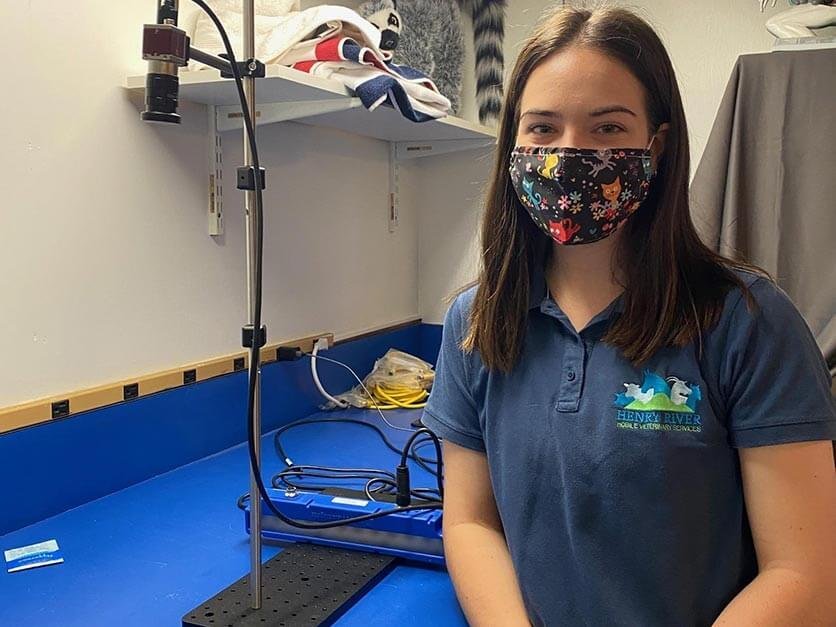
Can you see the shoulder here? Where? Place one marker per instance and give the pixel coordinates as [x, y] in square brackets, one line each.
[759, 298]
[459, 311]
[760, 321]
[757, 316]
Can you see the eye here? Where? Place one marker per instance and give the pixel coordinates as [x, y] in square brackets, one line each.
[534, 129]
[609, 129]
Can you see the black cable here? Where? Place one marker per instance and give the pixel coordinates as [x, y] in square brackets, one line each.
[391, 485]
[423, 438]
[302, 473]
[305, 421]
[437, 443]
[421, 460]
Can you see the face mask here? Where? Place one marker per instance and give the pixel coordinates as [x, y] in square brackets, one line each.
[576, 195]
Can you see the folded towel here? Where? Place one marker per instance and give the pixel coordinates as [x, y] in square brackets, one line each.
[374, 79]
[278, 29]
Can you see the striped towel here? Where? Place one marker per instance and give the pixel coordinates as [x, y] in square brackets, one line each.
[372, 77]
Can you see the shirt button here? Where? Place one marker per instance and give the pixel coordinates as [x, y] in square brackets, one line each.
[570, 375]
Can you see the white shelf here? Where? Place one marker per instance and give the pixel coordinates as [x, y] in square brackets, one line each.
[285, 85]
[286, 94]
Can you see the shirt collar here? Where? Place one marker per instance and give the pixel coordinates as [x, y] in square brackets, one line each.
[539, 297]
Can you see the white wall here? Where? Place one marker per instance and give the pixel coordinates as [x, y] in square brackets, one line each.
[107, 270]
[703, 39]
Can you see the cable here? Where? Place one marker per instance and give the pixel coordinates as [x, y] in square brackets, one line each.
[437, 444]
[421, 461]
[416, 493]
[383, 395]
[401, 396]
[363, 385]
[258, 263]
[280, 452]
[325, 473]
[318, 383]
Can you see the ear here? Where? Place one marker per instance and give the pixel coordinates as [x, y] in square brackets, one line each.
[657, 146]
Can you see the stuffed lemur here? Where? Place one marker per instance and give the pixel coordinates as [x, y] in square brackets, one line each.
[488, 18]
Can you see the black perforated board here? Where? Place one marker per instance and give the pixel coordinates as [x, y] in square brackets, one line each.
[305, 584]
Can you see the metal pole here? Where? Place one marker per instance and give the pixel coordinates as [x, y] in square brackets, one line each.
[249, 208]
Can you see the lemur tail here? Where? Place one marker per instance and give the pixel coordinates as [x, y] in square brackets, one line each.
[488, 30]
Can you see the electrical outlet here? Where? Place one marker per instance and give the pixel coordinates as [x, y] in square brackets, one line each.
[61, 408]
[130, 391]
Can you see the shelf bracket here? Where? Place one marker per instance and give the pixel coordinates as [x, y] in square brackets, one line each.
[230, 118]
[394, 191]
[227, 118]
[416, 150]
[402, 151]
[215, 163]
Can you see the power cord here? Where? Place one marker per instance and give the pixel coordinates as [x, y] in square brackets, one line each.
[381, 396]
[258, 265]
[320, 343]
[300, 352]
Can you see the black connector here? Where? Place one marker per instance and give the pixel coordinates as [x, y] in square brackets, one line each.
[248, 336]
[246, 178]
[251, 67]
[404, 497]
[288, 353]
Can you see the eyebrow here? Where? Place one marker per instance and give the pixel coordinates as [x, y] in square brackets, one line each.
[595, 113]
[611, 109]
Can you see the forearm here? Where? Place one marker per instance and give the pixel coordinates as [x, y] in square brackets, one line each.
[483, 575]
[780, 597]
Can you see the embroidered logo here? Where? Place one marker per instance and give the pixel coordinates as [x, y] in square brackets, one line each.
[659, 404]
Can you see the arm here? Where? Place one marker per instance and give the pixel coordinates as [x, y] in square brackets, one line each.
[790, 492]
[474, 544]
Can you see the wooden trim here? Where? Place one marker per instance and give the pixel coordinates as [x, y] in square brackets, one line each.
[65, 405]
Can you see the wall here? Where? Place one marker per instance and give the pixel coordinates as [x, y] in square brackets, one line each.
[108, 271]
[703, 39]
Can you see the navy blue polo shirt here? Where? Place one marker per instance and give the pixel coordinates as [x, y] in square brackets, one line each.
[619, 489]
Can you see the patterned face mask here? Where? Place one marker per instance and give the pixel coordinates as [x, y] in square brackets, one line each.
[577, 195]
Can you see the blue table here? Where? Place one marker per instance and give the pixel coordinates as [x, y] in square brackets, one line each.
[147, 554]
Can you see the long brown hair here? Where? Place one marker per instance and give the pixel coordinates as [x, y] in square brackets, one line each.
[675, 285]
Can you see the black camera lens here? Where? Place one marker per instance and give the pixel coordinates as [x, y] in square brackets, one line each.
[161, 99]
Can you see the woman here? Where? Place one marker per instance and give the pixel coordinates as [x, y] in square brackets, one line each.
[637, 431]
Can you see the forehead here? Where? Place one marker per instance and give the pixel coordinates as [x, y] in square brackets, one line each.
[581, 78]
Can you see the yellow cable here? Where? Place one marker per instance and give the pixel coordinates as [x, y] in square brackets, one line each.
[400, 399]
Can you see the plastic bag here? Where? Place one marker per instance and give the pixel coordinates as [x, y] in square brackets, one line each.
[397, 379]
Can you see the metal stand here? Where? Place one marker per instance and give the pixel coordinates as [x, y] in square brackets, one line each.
[252, 249]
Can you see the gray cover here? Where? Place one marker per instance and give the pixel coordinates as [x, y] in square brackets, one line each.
[765, 188]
